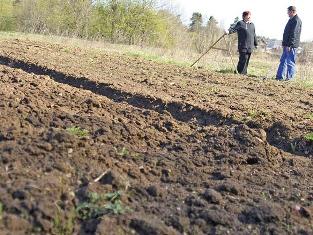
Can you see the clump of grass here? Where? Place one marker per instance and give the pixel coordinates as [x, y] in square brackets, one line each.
[66, 49]
[309, 137]
[64, 226]
[1, 210]
[124, 152]
[293, 147]
[309, 116]
[227, 71]
[265, 195]
[98, 205]
[305, 83]
[115, 205]
[252, 114]
[156, 58]
[134, 54]
[77, 131]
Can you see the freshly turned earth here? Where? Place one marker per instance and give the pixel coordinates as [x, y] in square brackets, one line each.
[186, 151]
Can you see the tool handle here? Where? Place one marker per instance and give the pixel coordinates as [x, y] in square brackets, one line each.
[208, 49]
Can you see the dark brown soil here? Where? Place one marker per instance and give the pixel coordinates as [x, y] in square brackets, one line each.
[184, 151]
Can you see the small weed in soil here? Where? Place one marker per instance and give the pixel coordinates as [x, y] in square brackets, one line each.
[124, 152]
[77, 131]
[266, 195]
[252, 114]
[64, 226]
[293, 147]
[309, 137]
[226, 71]
[309, 116]
[1, 210]
[94, 206]
[115, 205]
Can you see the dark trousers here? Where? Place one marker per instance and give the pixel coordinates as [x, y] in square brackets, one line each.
[243, 63]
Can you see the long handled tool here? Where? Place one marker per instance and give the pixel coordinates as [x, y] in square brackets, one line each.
[209, 49]
[231, 54]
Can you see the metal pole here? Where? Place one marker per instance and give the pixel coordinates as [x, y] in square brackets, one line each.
[208, 49]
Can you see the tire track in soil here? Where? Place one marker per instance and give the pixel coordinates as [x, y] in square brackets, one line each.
[180, 111]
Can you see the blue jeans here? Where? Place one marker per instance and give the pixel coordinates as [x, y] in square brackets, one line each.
[287, 66]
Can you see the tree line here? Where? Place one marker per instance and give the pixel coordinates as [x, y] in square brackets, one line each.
[134, 22]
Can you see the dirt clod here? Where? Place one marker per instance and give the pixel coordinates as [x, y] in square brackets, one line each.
[213, 196]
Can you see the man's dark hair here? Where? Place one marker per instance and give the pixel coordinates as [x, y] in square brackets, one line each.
[292, 8]
[245, 13]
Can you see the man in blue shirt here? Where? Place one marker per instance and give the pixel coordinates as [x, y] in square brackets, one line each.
[291, 41]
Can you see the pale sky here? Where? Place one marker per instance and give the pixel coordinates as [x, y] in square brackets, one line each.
[269, 16]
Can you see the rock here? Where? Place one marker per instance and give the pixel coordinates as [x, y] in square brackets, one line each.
[213, 196]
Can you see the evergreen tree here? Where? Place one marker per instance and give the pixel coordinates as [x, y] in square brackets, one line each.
[196, 22]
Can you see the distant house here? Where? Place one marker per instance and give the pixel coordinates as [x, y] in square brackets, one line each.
[273, 45]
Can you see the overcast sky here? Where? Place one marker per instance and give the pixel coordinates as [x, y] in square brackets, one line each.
[269, 16]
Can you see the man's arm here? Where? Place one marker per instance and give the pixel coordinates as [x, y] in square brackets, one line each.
[234, 29]
[255, 39]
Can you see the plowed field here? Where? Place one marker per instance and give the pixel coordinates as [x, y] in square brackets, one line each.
[100, 143]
